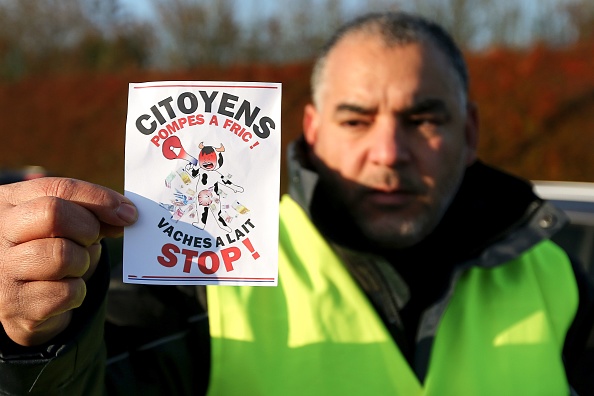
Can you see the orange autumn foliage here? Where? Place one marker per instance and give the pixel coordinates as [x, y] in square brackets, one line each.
[536, 109]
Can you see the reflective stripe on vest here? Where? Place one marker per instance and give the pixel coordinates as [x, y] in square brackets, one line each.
[317, 334]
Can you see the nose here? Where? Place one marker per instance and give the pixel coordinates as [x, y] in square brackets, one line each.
[389, 145]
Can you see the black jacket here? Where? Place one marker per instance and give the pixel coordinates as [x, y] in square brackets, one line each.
[157, 340]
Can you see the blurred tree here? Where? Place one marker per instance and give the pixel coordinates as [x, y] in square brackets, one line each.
[581, 14]
[198, 33]
[40, 36]
[47, 36]
[535, 103]
[309, 24]
[477, 24]
[214, 32]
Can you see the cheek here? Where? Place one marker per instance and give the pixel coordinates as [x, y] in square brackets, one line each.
[341, 156]
[430, 154]
[447, 162]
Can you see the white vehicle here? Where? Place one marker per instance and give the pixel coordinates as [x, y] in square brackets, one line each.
[577, 201]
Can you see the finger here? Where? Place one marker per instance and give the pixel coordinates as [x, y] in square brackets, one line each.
[32, 333]
[49, 298]
[47, 259]
[49, 217]
[94, 252]
[107, 205]
[34, 312]
[110, 231]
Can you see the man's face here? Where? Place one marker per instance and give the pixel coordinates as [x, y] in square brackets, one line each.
[391, 136]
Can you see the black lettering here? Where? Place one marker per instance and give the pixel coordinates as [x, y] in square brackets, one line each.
[140, 126]
[226, 104]
[188, 240]
[181, 103]
[249, 117]
[167, 104]
[265, 123]
[229, 239]
[177, 235]
[208, 100]
[158, 115]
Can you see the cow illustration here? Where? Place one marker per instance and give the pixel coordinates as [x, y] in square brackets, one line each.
[209, 181]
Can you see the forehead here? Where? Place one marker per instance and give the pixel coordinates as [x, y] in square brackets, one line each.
[362, 66]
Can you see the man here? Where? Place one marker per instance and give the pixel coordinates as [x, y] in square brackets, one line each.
[406, 266]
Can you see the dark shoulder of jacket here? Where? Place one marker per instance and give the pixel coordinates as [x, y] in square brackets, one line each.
[578, 350]
[157, 339]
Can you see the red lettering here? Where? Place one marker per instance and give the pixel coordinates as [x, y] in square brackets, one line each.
[182, 121]
[227, 123]
[173, 127]
[214, 261]
[208, 261]
[195, 120]
[235, 128]
[190, 254]
[168, 259]
[163, 134]
[246, 137]
[155, 139]
[230, 255]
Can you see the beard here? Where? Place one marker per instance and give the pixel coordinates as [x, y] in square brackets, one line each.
[392, 223]
[396, 228]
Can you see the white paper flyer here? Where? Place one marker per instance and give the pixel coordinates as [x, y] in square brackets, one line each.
[203, 168]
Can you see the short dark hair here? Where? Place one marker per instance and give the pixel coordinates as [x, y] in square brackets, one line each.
[395, 28]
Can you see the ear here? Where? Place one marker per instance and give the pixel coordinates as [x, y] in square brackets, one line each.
[471, 132]
[310, 124]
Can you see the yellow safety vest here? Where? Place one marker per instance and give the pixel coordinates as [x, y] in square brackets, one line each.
[317, 334]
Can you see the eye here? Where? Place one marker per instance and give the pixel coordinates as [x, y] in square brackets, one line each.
[426, 119]
[427, 124]
[354, 123]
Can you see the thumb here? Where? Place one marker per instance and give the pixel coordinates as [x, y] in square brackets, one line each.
[111, 208]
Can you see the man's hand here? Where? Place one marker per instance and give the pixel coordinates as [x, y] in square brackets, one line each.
[50, 230]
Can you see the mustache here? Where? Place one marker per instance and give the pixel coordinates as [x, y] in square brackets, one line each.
[390, 180]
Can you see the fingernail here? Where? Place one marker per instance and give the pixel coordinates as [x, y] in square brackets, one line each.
[127, 212]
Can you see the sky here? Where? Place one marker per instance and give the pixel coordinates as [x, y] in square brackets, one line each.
[143, 8]
[531, 11]
[246, 9]
[140, 8]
